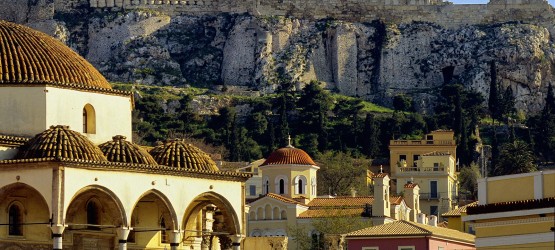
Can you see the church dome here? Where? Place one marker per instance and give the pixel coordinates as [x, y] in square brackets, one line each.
[32, 57]
[289, 155]
[60, 142]
[120, 150]
[176, 153]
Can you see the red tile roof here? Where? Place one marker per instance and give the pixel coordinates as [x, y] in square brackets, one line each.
[380, 175]
[289, 155]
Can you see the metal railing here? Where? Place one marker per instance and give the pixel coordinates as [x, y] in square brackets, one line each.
[437, 196]
[421, 142]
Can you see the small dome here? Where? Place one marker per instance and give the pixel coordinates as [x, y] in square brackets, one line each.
[289, 155]
[120, 150]
[60, 142]
[32, 57]
[176, 153]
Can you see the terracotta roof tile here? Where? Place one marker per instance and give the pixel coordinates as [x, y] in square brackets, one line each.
[380, 175]
[407, 228]
[331, 212]
[458, 211]
[548, 202]
[289, 155]
[60, 142]
[31, 57]
[278, 197]
[411, 185]
[176, 153]
[345, 201]
[120, 150]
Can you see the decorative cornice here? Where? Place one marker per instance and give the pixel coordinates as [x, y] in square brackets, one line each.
[130, 167]
[71, 86]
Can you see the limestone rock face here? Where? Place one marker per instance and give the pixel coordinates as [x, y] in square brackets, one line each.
[371, 60]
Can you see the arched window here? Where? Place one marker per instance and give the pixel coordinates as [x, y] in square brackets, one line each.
[89, 119]
[300, 184]
[252, 216]
[313, 186]
[276, 213]
[268, 212]
[259, 214]
[163, 233]
[283, 215]
[266, 184]
[281, 183]
[15, 214]
[93, 214]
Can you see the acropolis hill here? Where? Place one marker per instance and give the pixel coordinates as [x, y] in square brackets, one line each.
[397, 11]
[372, 49]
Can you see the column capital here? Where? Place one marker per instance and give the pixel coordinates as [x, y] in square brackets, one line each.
[57, 228]
[175, 236]
[237, 238]
[123, 232]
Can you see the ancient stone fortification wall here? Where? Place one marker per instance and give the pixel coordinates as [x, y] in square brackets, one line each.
[397, 11]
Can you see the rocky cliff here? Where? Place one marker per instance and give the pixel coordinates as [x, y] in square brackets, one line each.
[372, 60]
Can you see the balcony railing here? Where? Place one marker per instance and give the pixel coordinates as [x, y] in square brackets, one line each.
[421, 142]
[423, 170]
[437, 196]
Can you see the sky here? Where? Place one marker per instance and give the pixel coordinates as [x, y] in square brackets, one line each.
[552, 2]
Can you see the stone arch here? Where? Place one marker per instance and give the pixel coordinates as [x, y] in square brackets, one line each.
[110, 204]
[300, 183]
[32, 207]
[152, 200]
[226, 219]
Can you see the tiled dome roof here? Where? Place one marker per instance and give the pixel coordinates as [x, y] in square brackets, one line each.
[176, 153]
[120, 150]
[32, 57]
[289, 155]
[60, 142]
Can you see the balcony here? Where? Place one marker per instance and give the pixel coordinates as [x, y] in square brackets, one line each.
[437, 196]
[403, 169]
[421, 142]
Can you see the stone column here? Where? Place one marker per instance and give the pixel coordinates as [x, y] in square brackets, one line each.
[236, 241]
[175, 239]
[123, 233]
[57, 231]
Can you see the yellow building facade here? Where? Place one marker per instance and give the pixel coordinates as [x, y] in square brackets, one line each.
[515, 211]
[430, 163]
[84, 184]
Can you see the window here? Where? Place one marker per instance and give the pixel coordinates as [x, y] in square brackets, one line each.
[436, 166]
[276, 213]
[259, 214]
[252, 190]
[268, 212]
[402, 157]
[430, 137]
[281, 186]
[433, 210]
[405, 248]
[266, 186]
[89, 119]
[433, 189]
[300, 184]
[283, 215]
[163, 233]
[93, 215]
[15, 214]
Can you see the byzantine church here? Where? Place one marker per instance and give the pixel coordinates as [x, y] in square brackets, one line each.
[71, 177]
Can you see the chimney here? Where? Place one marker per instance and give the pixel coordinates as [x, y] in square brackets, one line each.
[421, 219]
[433, 221]
[353, 192]
[412, 198]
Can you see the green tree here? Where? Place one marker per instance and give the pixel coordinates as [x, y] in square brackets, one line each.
[339, 172]
[468, 180]
[402, 102]
[508, 103]
[494, 96]
[370, 137]
[315, 103]
[515, 158]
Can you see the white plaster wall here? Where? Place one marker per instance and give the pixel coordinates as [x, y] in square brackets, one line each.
[113, 113]
[38, 178]
[129, 187]
[22, 110]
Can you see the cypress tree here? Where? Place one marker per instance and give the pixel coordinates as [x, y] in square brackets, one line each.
[493, 102]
